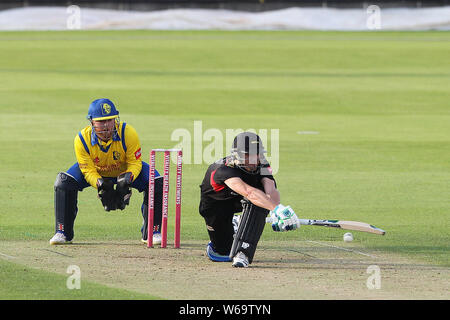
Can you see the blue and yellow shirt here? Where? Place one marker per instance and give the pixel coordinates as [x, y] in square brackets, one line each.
[98, 159]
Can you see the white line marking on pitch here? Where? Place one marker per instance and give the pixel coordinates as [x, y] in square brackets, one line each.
[5, 255]
[345, 249]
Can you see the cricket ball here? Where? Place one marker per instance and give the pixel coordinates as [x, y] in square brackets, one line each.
[348, 237]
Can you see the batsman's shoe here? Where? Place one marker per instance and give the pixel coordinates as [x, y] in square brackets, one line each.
[240, 260]
[156, 238]
[59, 238]
[214, 256]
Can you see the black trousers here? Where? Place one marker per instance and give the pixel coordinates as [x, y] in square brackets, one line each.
[219, 223]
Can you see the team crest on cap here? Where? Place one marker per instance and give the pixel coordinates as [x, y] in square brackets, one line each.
[106, 109]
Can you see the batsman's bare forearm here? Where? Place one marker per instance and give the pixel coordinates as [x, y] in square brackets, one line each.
[259, 198]
[271, 190]
[254, 195]
[274, 195]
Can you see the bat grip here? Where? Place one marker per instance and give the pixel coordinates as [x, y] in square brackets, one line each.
[302, 221]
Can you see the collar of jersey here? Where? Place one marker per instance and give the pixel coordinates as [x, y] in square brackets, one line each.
[95, 140]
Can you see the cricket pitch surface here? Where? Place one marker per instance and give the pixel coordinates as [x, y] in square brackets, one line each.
[281, 270]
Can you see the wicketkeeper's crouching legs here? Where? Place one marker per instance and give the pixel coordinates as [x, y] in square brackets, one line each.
[66, 195]
[68, 184]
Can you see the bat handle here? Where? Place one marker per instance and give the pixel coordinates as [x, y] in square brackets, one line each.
[302, 221]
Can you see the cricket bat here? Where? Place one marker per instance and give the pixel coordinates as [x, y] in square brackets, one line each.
[347, 225]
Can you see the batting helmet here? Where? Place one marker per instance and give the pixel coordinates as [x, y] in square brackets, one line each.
[247, 143]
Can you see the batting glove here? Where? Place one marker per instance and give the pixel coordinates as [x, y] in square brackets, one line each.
[284, 219]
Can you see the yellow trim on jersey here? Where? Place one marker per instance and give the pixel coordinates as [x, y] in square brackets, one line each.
[98, 159]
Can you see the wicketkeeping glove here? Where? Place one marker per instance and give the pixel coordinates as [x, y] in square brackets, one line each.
[284, 218]
[123, 189]
[106, 193]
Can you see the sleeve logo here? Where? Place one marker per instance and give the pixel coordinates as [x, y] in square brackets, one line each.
[137, 154]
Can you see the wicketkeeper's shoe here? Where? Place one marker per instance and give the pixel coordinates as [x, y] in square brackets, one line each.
[214, 256]
[240, 260]
[156, 238]
[59, 238]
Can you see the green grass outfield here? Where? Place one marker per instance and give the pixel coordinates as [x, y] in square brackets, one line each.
[379, 103]
[21, 282]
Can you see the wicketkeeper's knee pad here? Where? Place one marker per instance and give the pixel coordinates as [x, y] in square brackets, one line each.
[66, 195]
[251, 226]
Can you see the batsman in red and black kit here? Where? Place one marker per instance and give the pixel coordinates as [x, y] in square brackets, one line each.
[241, 182]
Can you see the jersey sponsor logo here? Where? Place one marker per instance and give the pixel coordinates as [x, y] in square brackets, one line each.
[106, 109]
[108, 168]
[137, 154]
[83, 165]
